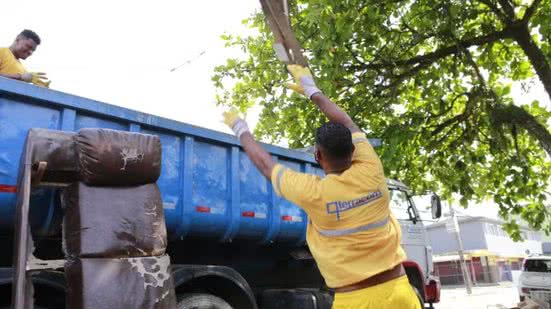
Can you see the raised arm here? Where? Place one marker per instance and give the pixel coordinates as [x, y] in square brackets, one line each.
[305, 85]
[260, 157]
[299, 188]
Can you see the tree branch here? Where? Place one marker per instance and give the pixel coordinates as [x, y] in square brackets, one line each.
[535, 55]
[444, 51]
[496, 10]
[530, 11]
[400, 78]
[451, 105]
[508, 9]
[441, 140]
[443, 125]
[512, 114]
[516, 115]
[456, 143]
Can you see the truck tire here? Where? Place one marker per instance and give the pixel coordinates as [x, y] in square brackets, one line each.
[202, 301]
[419, 296]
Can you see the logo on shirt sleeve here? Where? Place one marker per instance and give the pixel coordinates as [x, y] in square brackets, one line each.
[341, 206]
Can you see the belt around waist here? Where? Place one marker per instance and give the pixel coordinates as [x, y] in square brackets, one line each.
[382, 277]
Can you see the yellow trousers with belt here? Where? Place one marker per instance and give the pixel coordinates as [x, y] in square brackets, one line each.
[393, 294]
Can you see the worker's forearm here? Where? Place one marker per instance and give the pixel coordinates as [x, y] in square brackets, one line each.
[333, 111]
[260, 157]
[12, 76]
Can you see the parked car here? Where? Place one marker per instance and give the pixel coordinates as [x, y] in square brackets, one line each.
[535, 278]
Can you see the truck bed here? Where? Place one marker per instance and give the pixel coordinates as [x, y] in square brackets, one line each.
[209, 186]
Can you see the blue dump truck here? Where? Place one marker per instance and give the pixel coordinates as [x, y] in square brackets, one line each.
[233, 243]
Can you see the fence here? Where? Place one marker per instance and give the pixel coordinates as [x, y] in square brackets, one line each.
[450, 272]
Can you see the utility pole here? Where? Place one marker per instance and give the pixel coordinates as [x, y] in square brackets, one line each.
[456, 231]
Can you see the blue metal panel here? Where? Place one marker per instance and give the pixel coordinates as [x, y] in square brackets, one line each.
[254, 200]
[169, 182]
[186, 190]
[124, 115]
[233, 213]
[134, 127]
[210, 188]
[68, 118]
[291, 229]
[89, 121]
[274, 214]
[15, 120]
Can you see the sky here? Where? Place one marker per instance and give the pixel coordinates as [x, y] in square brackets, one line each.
[122, 52]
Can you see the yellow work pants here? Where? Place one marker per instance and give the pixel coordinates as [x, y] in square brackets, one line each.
[393, 294]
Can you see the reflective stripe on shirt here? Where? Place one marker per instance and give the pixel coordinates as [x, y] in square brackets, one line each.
[278, 180]
[363, 228]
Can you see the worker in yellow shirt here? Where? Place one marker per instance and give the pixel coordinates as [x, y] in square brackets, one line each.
[23, 47]
[351, 233]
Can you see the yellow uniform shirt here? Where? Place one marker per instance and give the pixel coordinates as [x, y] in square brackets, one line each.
[352, 233]
[9, 64]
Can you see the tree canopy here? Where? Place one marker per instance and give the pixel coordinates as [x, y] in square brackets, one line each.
[432, 78]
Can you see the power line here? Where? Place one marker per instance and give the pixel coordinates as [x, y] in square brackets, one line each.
[188, 61]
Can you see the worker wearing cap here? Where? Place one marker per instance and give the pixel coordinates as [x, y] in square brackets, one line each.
[351, 233]
[23, 47]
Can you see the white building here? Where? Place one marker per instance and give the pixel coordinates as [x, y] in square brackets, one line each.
[490, 252]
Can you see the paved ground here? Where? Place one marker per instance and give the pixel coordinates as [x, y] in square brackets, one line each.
[501, 296]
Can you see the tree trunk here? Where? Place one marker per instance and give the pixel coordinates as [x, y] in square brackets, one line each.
[522, 36]
[512, 114]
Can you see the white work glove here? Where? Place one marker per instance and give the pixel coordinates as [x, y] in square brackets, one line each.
[236, 123]
[304, 81]
[26, 77]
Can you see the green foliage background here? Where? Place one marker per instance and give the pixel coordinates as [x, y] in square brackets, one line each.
[432, 78]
